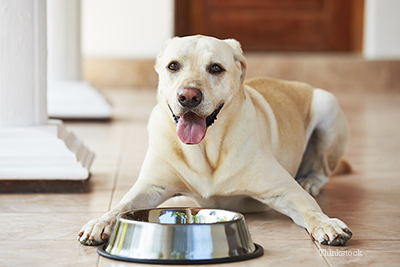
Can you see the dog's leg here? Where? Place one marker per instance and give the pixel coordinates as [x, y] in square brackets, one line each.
[287, 197]
[154, 186]
[327, 139]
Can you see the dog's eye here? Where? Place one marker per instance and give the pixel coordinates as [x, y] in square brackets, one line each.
[173, 66]
[215, 69]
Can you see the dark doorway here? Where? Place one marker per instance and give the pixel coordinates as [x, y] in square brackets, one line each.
[275, 25]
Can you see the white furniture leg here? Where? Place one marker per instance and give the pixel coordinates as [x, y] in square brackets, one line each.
[35, 154]
[68, 96]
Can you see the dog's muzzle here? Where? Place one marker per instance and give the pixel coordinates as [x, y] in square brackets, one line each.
[209, 119]
[191, 128]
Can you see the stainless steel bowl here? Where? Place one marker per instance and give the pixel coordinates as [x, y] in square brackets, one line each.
[180, 236]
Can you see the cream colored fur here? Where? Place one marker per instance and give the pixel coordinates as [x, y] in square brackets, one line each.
[269, 134]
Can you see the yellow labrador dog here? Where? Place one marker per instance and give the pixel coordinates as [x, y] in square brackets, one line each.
[274, 143]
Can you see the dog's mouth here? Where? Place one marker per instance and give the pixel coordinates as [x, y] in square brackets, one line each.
[191, 128]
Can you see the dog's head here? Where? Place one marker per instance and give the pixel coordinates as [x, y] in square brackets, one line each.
[198, 75]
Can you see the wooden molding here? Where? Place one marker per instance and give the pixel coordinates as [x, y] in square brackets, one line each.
[120, 73]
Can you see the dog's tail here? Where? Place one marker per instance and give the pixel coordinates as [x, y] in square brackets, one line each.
[343, 167]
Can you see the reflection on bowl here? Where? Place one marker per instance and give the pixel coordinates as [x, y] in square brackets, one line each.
[180, 236]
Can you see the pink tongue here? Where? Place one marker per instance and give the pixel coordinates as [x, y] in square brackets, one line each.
[191, 128]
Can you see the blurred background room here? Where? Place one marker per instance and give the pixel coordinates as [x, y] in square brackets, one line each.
[300, 40]
[100, 87]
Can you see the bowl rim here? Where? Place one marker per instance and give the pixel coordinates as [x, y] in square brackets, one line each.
[121, 219]
[258, 252]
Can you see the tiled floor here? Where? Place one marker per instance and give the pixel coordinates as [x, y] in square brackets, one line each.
[41, 229]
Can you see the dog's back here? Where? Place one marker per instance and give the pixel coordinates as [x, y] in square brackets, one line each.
[291, 104]
[284, 96]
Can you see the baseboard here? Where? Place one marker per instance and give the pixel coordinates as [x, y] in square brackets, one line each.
[328, 71]
[120, 73]
[333, 72]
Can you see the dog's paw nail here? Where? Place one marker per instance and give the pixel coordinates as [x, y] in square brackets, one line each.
[104, 236]
[337, 236]
[348, 232]
[326, 237]
[82, 240]
[80, 234]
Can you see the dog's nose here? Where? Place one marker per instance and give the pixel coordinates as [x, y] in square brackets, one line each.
[189, 97]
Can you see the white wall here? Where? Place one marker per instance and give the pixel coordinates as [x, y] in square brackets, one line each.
[125, 28]
[382, 29]
[137, 28]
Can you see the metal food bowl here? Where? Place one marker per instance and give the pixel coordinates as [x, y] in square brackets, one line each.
[180, 236]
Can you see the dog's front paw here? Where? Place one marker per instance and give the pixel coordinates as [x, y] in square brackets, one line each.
[332, 232]
[96, 232]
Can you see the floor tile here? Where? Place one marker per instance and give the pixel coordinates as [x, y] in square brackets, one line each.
[46, 253]
[97, 201]
[44, 226]
[269, 226]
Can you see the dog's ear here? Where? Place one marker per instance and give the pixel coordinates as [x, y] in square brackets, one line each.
[164, 46]
[238, 55]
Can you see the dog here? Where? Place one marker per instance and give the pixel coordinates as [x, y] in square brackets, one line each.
[275, 142]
